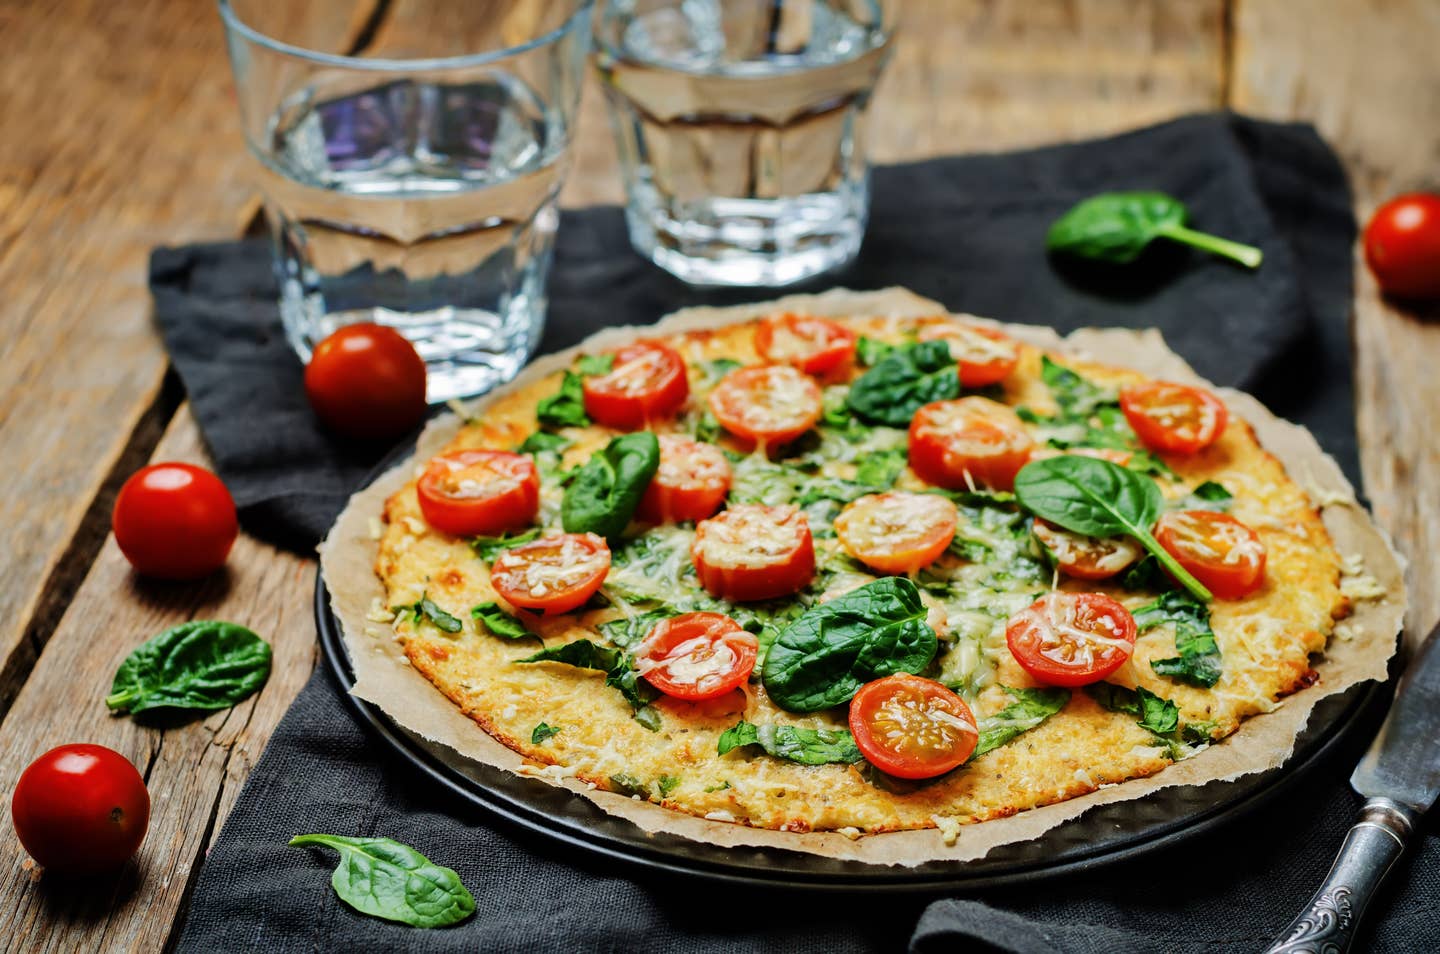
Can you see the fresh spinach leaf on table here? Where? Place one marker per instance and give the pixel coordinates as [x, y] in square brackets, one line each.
[499, 622]
[903, 381]
[1099, 499]
[619, 670]
[1198, 662]
[834, 648]
[603, 496]
[794, 743]
[1030, 708]
[202, 664]
[386, 879]
[1117, 226]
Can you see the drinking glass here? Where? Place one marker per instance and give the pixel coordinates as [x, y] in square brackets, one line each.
[740, 130]
[414, 184]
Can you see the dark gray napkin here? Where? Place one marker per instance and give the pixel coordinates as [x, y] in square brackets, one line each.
[967, 231]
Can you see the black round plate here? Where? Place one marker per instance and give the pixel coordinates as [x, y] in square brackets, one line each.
[1104, 834]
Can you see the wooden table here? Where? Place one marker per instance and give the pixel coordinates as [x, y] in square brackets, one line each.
[118, 133]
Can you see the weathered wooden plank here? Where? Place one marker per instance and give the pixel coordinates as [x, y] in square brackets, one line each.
[1364, 73]
[118, 133]
[193, 767]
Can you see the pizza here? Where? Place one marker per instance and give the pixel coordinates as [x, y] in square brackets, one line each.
[834, 570]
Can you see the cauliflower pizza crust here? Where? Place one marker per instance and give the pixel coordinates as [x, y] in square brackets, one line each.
[568, 725]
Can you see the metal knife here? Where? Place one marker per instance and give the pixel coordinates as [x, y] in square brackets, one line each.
[1400, 777]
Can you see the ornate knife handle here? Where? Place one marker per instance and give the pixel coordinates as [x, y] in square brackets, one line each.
[1327, 925]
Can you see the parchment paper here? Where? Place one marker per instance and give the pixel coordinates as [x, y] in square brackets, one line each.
[384, 677]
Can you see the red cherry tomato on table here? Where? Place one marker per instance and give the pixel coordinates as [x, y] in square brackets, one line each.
[690, 484]
[81, 809]
[1071, 639]
[1402, 246]
[1218, 550]
[697, 656]
[772, 404]
[752, 552]
[174, 521]
[479, 492]
[816, 346]
[896, 532]
[985, 356]
[554, 574]
[1086, 558]
[911, 727]
[974, 440]
[367, 381]
[645, 383]
[1173, 418]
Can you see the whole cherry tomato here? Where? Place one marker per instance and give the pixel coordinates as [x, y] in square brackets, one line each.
[367, 381]
[1402, 245]
[174, 521]
[81, 809]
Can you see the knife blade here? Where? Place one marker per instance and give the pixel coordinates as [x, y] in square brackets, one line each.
[1400, 777]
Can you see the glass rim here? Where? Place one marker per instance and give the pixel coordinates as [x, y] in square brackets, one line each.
[883, 27]
[233, 22]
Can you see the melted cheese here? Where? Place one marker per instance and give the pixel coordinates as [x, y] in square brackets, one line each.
[750, 535]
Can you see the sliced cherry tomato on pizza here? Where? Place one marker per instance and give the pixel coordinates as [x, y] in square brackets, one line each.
[816, 346]
[1086, 558]
[1071, 639]
[985, 356]
[645, 383]
[752, 552]
[912, 727]
[697, 656]
[1173, 418]
[554, 574]
[896, 532]
[479, 492]
[689, 486]
[771, 405]
[1218, 550]
[971, 441]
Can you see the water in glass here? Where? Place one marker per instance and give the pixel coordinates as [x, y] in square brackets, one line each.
[739, 126]
[426, 206]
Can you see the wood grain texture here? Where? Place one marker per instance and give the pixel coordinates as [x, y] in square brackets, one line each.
[1364, 73]
[193, 766]
[118, 133]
